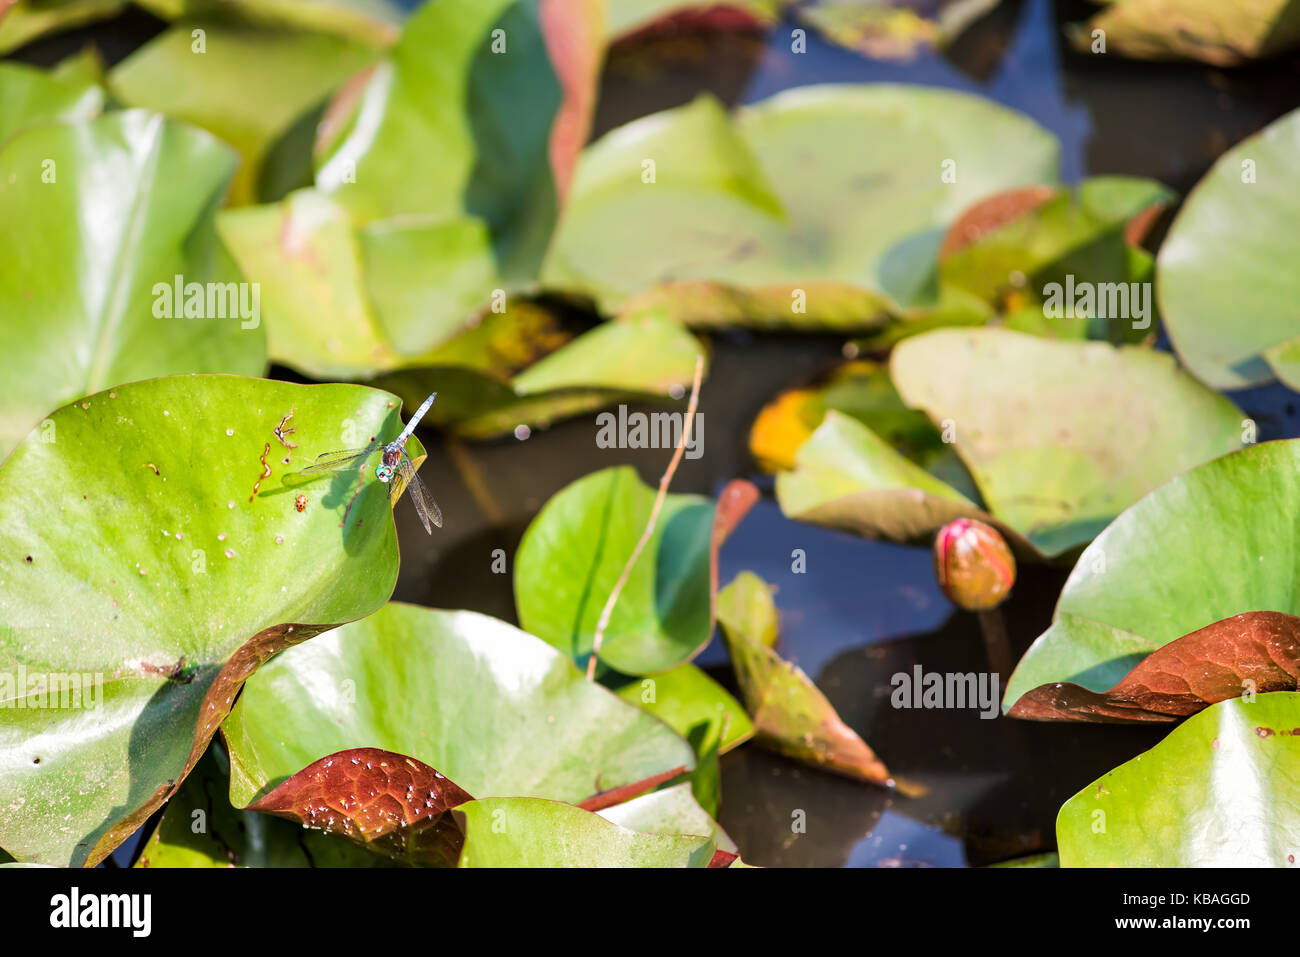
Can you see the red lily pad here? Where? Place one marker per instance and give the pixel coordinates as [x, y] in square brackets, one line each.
[1257, 652]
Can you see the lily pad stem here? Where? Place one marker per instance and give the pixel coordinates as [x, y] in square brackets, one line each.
[664, 482]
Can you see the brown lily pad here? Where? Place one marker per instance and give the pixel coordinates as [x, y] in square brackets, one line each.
[389, 803]
[1258, 651]
[791, 716]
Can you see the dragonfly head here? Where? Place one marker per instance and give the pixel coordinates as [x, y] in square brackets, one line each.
[384, 473]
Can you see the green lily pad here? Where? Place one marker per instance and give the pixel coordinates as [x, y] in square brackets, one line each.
[635, 360]
[791, 716]
[200, 828]
[246, 85]
[1064, 267]
[373, 22]
[672, 810]
[845, 476]
[490, 100]
[28, 20]
[862, 390]
[148, 562]
[1229, 254]
[1224, 34]
[702, 712]
[304, 254]
[577, 547]
[687, 697]
[129, 209]
[33, 97]
[1035, 421]
[1219, 791]
[491, 707]
[692, 196]
[1217, 554]
[528, 832]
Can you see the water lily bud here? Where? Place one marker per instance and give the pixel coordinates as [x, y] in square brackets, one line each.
[974, 565]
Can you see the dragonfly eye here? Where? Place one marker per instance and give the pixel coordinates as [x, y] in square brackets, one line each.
[384, 473]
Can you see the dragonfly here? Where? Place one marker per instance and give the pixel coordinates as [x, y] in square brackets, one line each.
[395, 463]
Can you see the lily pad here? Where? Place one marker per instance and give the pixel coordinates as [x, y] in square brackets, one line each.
[245, 85]
[1059, 262]
[670, 811]
[1224, 34]
[791, 716]
[1219, 791]
[151, 568]
[634, 360]
[200, 828]
[389, 803]
[864, 391]
[129, 209]
[845, 476]
[1035, 421]
[702, 712]
[692, 196]
[489, 100]
[687, 697]
[1224, 275]
[1195, 551]
[490, 706]
[1255, 652]
[33, 97]
[528, 832]
[373, 22]
[28, 20]
[897, 30]
[576, 549]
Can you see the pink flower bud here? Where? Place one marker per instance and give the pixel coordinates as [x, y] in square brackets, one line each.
[974, 566]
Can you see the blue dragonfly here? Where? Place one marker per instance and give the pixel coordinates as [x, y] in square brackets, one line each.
[395, 463]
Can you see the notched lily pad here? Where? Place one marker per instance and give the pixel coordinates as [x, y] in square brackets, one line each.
[791, 716]
[1251, 653]
[181, 550]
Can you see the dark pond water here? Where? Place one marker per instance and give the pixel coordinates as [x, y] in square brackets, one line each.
[862, 611]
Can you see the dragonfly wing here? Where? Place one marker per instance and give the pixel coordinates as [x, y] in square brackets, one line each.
[429, 512]
[341, 461]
